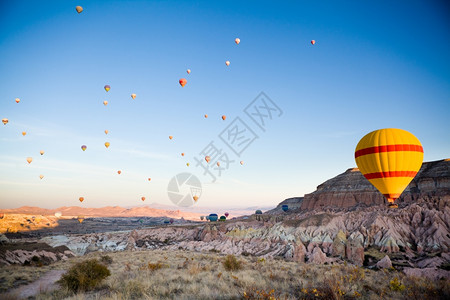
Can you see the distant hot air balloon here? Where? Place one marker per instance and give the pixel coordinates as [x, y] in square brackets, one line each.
[187, 164]
[42, 152]
[258, 212]
[17, 100]
[106, 131]
[222, 218]
[24, 133]
[29, 160]
[237, 41]
[206, 116]
[284, 207]
[149, 179]
[119, 172]
[171, 221]
[313, 42]
[182, 82]
[188, 71]
[2, 215]
[79, 9]
[143, 198]
[170, 137]
[227, 63]
[195, 198]
[105, 103]
[182, 154]
[41, 176]
[242, 162]
[224, 117]
[166, 221]
[226, 214]
[107, 88]
[80, 219]
[207, 218]
[83, 147]
[218, 164]
[107, 144]
[213, 217]
[202, 217]
[58, 214]
[5, 121]
[133, 96]
[207, 158]
[389, 158]
[81, 199]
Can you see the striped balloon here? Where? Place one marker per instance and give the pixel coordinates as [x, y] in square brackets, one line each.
[389, 158]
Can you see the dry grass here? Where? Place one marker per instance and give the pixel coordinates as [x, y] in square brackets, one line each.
[159, 274]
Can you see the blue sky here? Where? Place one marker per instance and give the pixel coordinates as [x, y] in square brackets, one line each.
[375, 64]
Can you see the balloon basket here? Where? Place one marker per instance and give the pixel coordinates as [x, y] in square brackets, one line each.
[393, 205]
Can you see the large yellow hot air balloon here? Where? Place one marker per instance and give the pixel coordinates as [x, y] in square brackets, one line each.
[389, 158]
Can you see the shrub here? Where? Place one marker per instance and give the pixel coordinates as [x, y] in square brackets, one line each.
[106, 260]
[84, 276]
[396, 285]
[231, 263]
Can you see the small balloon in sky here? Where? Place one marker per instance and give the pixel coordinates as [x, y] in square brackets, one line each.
[107, 144]
[29, 160]
[5, 121]
[24, 133]
[195, 198]
[105, 103]
[218, 164]
[41, 176]
[224, 117]
[227, 63]
[133, 96]
[170, 137]
[188, 164]
[206, 116]
[17, 100]
[79, 9]
[313, 42]
[107, 88]
[106, 131]
[188, 71]
[83, 147]
[149, 179]
[81, 199]
[143, 198]
[242, 162]
[42, 152]
[182, 82]
[237, 41]
[119, 172]
[182, 154]
[207, 158]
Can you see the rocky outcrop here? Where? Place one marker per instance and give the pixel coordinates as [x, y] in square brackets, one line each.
[384, 263]
[32, 254]
[352, 188]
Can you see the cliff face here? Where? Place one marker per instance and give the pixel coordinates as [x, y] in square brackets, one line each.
[432, 182]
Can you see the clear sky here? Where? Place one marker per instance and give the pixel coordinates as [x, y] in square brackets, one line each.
[375, 64]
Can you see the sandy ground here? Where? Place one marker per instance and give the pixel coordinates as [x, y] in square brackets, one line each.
[43, 284]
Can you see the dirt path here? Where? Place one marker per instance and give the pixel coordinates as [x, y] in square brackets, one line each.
[46, 283]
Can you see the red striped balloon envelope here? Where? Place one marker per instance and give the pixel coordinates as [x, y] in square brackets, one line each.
[389, 158]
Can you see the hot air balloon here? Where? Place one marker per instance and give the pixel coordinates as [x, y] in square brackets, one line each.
[182, 82]
[171, 221]
[107, 144]
[106, 131]
[42, 152]
[79, 9]
[237, 41]
[41, 176]
[218, 164]
[207, 218]
[119, 172]
[133, 96]
[242, 162]
[29, 160]
[81, 199]
[389, 158]
[24, 133]
[105, 103]
[222, 218]
[107, 88]
[5, 121]
[258, 212]
[195, 198]
[188, 71]
[202, 217]
[83, 147]
[213, 217]
[2, 215]
[313, 42]
[149, 179]
[143, 198]
[187, 164]
[80, 219]
[227, 63]
[17, 100]
[224, 117]
[182, 154]
[166, 221]
[226, 214]
[207, 158]
[284, 207]
[170, 137]
[58, 214]
[206, 116]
